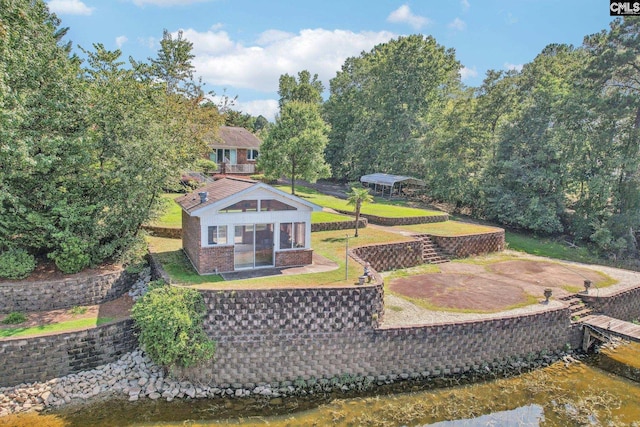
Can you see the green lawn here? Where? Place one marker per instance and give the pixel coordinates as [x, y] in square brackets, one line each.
[380, 207]
[319, 217]
[548, 248]
[330, 244]
[55, 327]
[449, 228]
[172, 216]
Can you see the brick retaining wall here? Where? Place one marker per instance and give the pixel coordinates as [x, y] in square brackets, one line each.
[475, 244]
[431, 350]
[166, 232]
[624, 305]
[410, 220]
[292, 311]
[391, 256]
[26, 360]
[338, 225]
[77, 290]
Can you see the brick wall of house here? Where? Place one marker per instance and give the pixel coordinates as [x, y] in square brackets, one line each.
[476, 244]
[76, 290]
[216, 259]
[191, 238]
[293, 258]
[391, 256]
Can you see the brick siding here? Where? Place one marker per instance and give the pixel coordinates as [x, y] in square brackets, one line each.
[294, 258]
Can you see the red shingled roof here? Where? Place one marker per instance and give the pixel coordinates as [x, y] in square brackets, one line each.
[217, 190]
[233, 137]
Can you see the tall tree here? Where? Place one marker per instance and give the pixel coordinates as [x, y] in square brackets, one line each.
[382, 104]
[173, 64]
[305, 89]
[295, 144]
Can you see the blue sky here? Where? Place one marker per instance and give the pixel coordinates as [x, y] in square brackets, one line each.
[243, 46]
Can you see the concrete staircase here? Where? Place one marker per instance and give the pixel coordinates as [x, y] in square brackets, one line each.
[578, 309]
[430, 251]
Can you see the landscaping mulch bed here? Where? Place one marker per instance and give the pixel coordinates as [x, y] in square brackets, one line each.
[46, 271]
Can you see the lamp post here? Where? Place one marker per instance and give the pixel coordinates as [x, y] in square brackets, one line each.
[346, 259]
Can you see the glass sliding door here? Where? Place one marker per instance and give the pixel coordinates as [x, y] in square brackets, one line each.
[264, 245]
[243, 246]
[253, 246]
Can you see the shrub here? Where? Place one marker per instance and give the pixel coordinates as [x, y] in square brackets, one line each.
[72, 255]
[16, 263]
[14, 318]
[171, 330]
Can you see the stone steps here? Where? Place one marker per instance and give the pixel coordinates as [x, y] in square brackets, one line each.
[430, 253]
[578, 309]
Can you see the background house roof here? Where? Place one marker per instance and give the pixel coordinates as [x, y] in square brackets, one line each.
[233, 137]
[217, 190]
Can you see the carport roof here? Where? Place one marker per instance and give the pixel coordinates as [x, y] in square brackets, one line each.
[390, 180]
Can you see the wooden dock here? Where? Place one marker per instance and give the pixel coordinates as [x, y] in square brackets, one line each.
[600, 327]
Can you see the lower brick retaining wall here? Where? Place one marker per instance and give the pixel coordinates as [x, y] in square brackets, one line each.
[431, 350]
[77, 290]
[476, 244]
[42, 358]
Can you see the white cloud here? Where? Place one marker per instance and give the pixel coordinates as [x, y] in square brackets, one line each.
[69, 7]
[509, 66]
[150, 42]
[458, 25]
[404, 15]
[266, 107]
[465, 5]
[167, 2]
[468, 73]
[120, 40]
[221, 61]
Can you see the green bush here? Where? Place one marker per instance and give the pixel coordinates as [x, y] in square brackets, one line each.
[14, 318]
[72, 256]
[16, 264]
[171, 330]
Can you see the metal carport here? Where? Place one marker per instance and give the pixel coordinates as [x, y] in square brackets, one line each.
[385, 183]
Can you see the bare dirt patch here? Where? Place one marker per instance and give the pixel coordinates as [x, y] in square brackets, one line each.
[117, 309]
[494, 287]
[46, 271]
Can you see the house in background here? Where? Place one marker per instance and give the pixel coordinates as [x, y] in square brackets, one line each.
[238, 224]
[235, 150]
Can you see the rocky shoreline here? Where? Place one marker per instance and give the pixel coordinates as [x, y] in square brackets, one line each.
[136, 376]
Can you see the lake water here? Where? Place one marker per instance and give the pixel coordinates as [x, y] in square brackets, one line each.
[564, 394]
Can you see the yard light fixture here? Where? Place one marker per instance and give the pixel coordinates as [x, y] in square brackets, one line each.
[547, 295]
[587, 286]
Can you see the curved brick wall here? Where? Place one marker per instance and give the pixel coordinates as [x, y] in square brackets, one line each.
[624, 305]
[475, 244]
[433, 350]
[26, 360]
[391, 256]
[382, 220]
[77, 290]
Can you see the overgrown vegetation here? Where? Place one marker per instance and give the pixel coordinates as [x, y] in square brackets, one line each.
[16, 263]
[170, 320]
[14, 318]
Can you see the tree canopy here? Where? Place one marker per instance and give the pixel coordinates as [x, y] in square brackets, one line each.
[86, 149]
